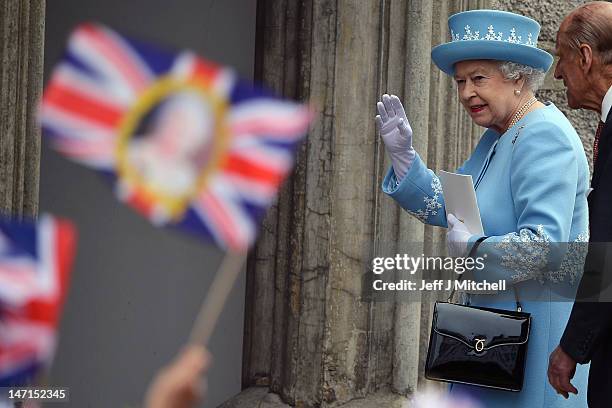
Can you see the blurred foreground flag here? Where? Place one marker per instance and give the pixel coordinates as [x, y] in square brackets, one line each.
[185, 141]
[35, 261]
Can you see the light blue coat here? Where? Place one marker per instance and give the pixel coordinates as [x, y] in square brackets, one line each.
[531, 186]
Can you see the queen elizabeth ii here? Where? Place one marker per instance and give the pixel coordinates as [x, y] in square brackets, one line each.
[531, 179]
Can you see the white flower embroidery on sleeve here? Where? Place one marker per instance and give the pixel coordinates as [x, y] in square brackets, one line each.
[525, 253]
[432, 204]
[573, 262]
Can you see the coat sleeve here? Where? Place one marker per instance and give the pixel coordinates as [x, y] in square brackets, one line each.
[543, 180]
[419, 193]
[585, 330]
[591, 319]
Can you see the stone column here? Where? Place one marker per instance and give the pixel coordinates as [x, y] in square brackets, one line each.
[312, 335]
[22, 25]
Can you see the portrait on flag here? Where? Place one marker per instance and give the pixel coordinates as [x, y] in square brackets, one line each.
[185, 141]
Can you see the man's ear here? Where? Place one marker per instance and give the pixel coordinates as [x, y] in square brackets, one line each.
[586, 58]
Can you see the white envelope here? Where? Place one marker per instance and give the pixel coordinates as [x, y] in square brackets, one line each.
[460, 200]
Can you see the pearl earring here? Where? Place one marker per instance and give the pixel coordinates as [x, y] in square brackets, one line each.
[517, 92]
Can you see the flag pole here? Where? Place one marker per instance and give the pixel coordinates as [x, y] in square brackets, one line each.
[217, 295]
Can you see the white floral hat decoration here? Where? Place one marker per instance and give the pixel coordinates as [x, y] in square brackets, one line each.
[493, 35]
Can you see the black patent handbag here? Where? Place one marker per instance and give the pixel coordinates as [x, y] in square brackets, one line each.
[478, 346]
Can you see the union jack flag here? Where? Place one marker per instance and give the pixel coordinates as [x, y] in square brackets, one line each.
[184, 141]
[35, 262]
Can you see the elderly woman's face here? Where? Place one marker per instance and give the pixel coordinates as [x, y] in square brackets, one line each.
[484, 92]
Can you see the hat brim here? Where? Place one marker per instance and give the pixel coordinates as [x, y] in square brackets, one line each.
[445, 56]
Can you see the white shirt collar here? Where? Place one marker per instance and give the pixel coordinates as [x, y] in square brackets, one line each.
[606, 105]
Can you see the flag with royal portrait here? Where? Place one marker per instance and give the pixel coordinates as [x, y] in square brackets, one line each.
[185, 142]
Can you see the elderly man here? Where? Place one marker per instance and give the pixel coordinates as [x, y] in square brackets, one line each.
[584, 47]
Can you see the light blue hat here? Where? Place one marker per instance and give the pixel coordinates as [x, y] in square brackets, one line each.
[491, 34]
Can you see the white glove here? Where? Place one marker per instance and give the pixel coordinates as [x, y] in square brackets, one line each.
[457, 236]
[394, 128]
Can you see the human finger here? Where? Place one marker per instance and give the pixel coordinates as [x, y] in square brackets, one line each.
[554, 381]
[452, 221]
[403, 128]
[382, 111]
[387, 102]
[397, 105]
[566, 385]
[378, 122]
[557, 386]
[550, 377]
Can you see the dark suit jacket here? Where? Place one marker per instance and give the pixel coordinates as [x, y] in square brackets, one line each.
[588, 335]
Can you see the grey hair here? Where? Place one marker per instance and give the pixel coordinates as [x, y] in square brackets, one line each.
[533, 77]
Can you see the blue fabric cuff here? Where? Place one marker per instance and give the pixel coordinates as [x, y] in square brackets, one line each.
[392, 186]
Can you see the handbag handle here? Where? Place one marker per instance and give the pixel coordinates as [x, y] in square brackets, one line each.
[519, 308]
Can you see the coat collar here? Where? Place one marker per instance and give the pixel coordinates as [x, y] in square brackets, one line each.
[606, 104]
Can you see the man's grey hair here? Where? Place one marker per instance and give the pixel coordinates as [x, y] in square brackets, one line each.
[533, 77]
[589, 24]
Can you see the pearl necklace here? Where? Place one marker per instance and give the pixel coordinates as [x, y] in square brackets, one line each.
[522, 111]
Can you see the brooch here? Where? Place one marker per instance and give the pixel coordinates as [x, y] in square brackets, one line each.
[518, 131]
